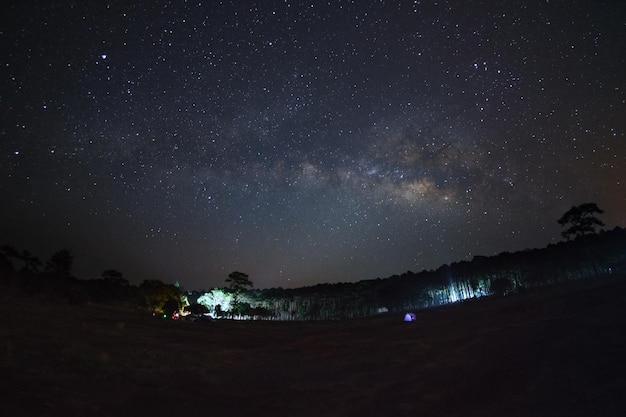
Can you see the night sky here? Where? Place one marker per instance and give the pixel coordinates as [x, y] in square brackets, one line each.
[305, 142]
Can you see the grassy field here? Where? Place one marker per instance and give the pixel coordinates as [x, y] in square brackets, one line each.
[555, 352]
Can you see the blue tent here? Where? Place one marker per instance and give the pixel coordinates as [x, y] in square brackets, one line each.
[410, 317]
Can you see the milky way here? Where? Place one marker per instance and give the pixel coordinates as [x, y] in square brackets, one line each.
[305, 143]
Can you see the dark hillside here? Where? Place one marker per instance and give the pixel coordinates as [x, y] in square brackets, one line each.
[546, 352]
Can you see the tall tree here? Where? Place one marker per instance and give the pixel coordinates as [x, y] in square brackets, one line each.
[580, 220]
[238, 282]
[60, 264]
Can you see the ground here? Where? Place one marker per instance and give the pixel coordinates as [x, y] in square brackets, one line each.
[553, 352]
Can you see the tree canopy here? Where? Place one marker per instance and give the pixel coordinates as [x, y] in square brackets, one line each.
[159, 296]
[581, 220]
[60, 264]
[238, 281]
[115, 277]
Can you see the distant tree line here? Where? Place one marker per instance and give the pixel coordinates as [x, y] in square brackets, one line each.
[585, 254]
[22, 272]
[588, 256]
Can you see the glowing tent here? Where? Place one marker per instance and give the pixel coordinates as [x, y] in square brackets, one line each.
[410, 317]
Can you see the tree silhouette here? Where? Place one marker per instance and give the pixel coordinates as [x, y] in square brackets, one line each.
[114, 277]
[60, 264]
[238, 282]
[157, 293]
[31, 262]
[581, 220]
[6, 253]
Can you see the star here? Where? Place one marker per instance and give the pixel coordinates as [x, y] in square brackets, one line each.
[305, 144]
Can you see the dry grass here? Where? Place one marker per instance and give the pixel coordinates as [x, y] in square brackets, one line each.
[556, 352]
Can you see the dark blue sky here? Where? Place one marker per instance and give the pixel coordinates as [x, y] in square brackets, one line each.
[302, 142]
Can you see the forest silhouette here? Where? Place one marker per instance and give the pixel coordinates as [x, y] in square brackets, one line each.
[585, 254]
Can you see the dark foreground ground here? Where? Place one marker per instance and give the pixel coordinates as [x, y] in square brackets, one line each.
[557, 352]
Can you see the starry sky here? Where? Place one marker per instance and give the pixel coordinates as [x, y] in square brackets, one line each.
[305, 142]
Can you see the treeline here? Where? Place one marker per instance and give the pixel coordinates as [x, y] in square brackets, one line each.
[587, 256]
[23, 273]
[590, 255]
